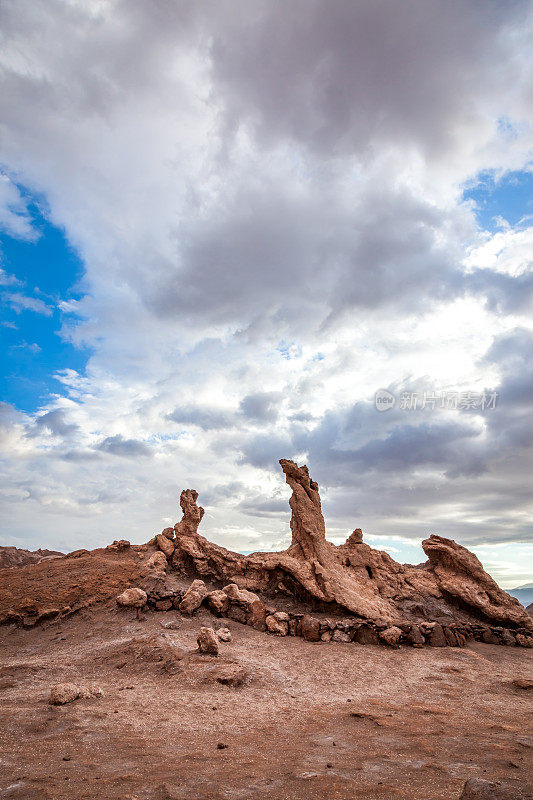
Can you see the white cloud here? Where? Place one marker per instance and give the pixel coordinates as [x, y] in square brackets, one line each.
[21, 302]
[267, 202]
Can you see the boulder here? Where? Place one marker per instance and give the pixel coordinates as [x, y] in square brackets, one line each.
[63, 693]
[157, 561]
[168, 532]
[415, 638]
[132, 598]
[218, 601]
[165, 544]
[436, 636]
[207, 641]
[310, 628]
[391, 636]
[224, 634]
[507, 638]
[256, 616]
[193, 597]
[523, 640]
[279, 627]
[460, 574]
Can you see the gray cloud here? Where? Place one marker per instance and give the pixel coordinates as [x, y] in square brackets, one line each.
[127, 448]
[202, 416]
[53, 421]
[261, 406]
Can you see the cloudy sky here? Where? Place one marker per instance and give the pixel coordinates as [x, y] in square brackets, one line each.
[225, 227]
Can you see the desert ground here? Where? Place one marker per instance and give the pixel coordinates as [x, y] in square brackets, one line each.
[306, 720]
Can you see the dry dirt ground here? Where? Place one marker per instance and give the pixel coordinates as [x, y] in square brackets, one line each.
[314, 721]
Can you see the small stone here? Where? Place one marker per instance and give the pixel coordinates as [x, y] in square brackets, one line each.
[164, 605]
[132, 598]
[224, 634]
[222, 746]
[340, 636]
[63, 693]
[88, 692]
[479, 789]
[232, 675]
[208, 641]
[171, 625]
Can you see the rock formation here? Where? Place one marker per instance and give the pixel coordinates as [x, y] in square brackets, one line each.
[15, 557]
[352, 576]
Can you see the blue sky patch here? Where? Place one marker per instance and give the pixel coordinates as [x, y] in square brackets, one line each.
[510, 198]
[36, 276]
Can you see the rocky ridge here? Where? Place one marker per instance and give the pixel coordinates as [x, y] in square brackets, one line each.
[314, 589]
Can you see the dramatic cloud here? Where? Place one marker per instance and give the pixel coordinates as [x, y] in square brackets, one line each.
[268, 202]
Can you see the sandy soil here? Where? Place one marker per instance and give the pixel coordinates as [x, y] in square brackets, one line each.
[314, 721]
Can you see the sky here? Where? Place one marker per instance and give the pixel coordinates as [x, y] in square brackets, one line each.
[234, 232]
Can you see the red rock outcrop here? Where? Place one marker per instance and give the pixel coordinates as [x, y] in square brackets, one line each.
[353, 576]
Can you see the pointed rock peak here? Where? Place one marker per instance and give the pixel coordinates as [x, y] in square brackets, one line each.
[192, 513]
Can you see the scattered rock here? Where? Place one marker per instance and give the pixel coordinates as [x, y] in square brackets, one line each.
[222, 746]
[415, 638]
[120, 544]
[171, 625]
[279, 627]
[63, 693]
[132, 598]
[208, 641]
[436, 636]
[224, 634]
[218, 601]
[88, 692]
[391, 636]
[193, 597]
[310, 628]
[232, 675]
[479, 789]
[163, 605]
[340, 636]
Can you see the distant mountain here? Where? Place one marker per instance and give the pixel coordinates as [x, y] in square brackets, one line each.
[529, 609]
[17, 557]
[524, 594]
